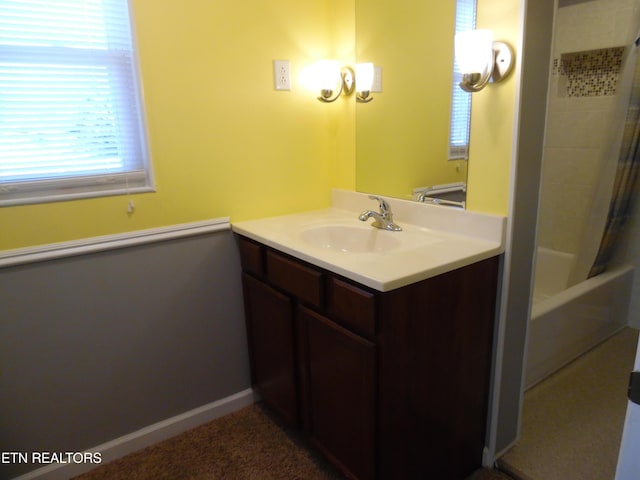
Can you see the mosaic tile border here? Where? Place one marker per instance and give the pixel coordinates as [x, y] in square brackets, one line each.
[592, 73]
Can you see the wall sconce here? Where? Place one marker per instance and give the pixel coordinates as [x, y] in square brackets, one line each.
[364, 82]
[334, 80]
[481, 59]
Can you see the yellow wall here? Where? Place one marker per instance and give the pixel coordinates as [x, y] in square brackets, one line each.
[492, 117]
[223, 141]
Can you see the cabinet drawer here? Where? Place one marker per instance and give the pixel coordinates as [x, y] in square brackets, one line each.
[297, 279]
[353, 307]
[251, 256]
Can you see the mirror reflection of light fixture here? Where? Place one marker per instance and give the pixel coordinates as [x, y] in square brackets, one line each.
[364, 82]
[481, 59]
[334, 79]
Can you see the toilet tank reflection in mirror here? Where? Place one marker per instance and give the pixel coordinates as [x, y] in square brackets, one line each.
[402, 136]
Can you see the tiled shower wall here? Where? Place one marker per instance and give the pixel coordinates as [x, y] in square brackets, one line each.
[583, 108]
[588, 53]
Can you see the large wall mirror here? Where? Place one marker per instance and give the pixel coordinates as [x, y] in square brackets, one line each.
[402, 136]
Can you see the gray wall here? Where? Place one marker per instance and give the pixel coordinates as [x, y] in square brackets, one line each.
[536, 60]
[100, 345]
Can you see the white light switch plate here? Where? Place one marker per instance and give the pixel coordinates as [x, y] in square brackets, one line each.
[377, 79]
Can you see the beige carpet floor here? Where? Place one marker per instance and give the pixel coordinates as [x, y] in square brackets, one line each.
[246, 445]
[572, 421]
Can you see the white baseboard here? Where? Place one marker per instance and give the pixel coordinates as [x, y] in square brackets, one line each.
[147, 436]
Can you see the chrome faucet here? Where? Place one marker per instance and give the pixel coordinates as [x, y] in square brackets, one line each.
[384, 219]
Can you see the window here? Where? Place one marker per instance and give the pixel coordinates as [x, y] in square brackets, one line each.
[461, 100]
[71, 117]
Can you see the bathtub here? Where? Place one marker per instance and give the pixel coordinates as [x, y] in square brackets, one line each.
[566, 322]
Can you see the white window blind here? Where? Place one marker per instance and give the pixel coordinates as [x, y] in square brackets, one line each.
[461, 100]
[71, 117]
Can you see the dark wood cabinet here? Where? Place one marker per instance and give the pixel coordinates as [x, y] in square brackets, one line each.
[271, 334]
[387, 385]
[340, 374]
[436, 341]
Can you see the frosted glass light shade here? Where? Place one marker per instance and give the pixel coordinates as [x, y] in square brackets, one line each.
[364, 77]
[474, 51]
[327, 74]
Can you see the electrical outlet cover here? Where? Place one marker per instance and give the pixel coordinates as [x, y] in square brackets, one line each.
[282, 74]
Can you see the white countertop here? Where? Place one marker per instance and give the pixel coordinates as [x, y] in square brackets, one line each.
[433, 240]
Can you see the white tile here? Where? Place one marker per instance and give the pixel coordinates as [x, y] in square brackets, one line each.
[573, 166]
[577, 129]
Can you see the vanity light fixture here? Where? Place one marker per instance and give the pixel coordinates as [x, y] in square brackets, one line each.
[334, 79]
[364, 82]
[481, 60]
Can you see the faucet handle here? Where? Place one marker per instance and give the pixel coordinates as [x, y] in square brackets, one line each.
[384, 219]
[384, 206]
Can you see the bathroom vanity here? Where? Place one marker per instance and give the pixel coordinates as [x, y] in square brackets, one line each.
[387, 374]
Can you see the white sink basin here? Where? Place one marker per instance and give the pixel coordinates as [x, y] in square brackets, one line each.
[433, 240]
[351, 239]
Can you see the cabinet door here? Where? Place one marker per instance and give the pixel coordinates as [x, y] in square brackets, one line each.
[340, 381]
[270, 329]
